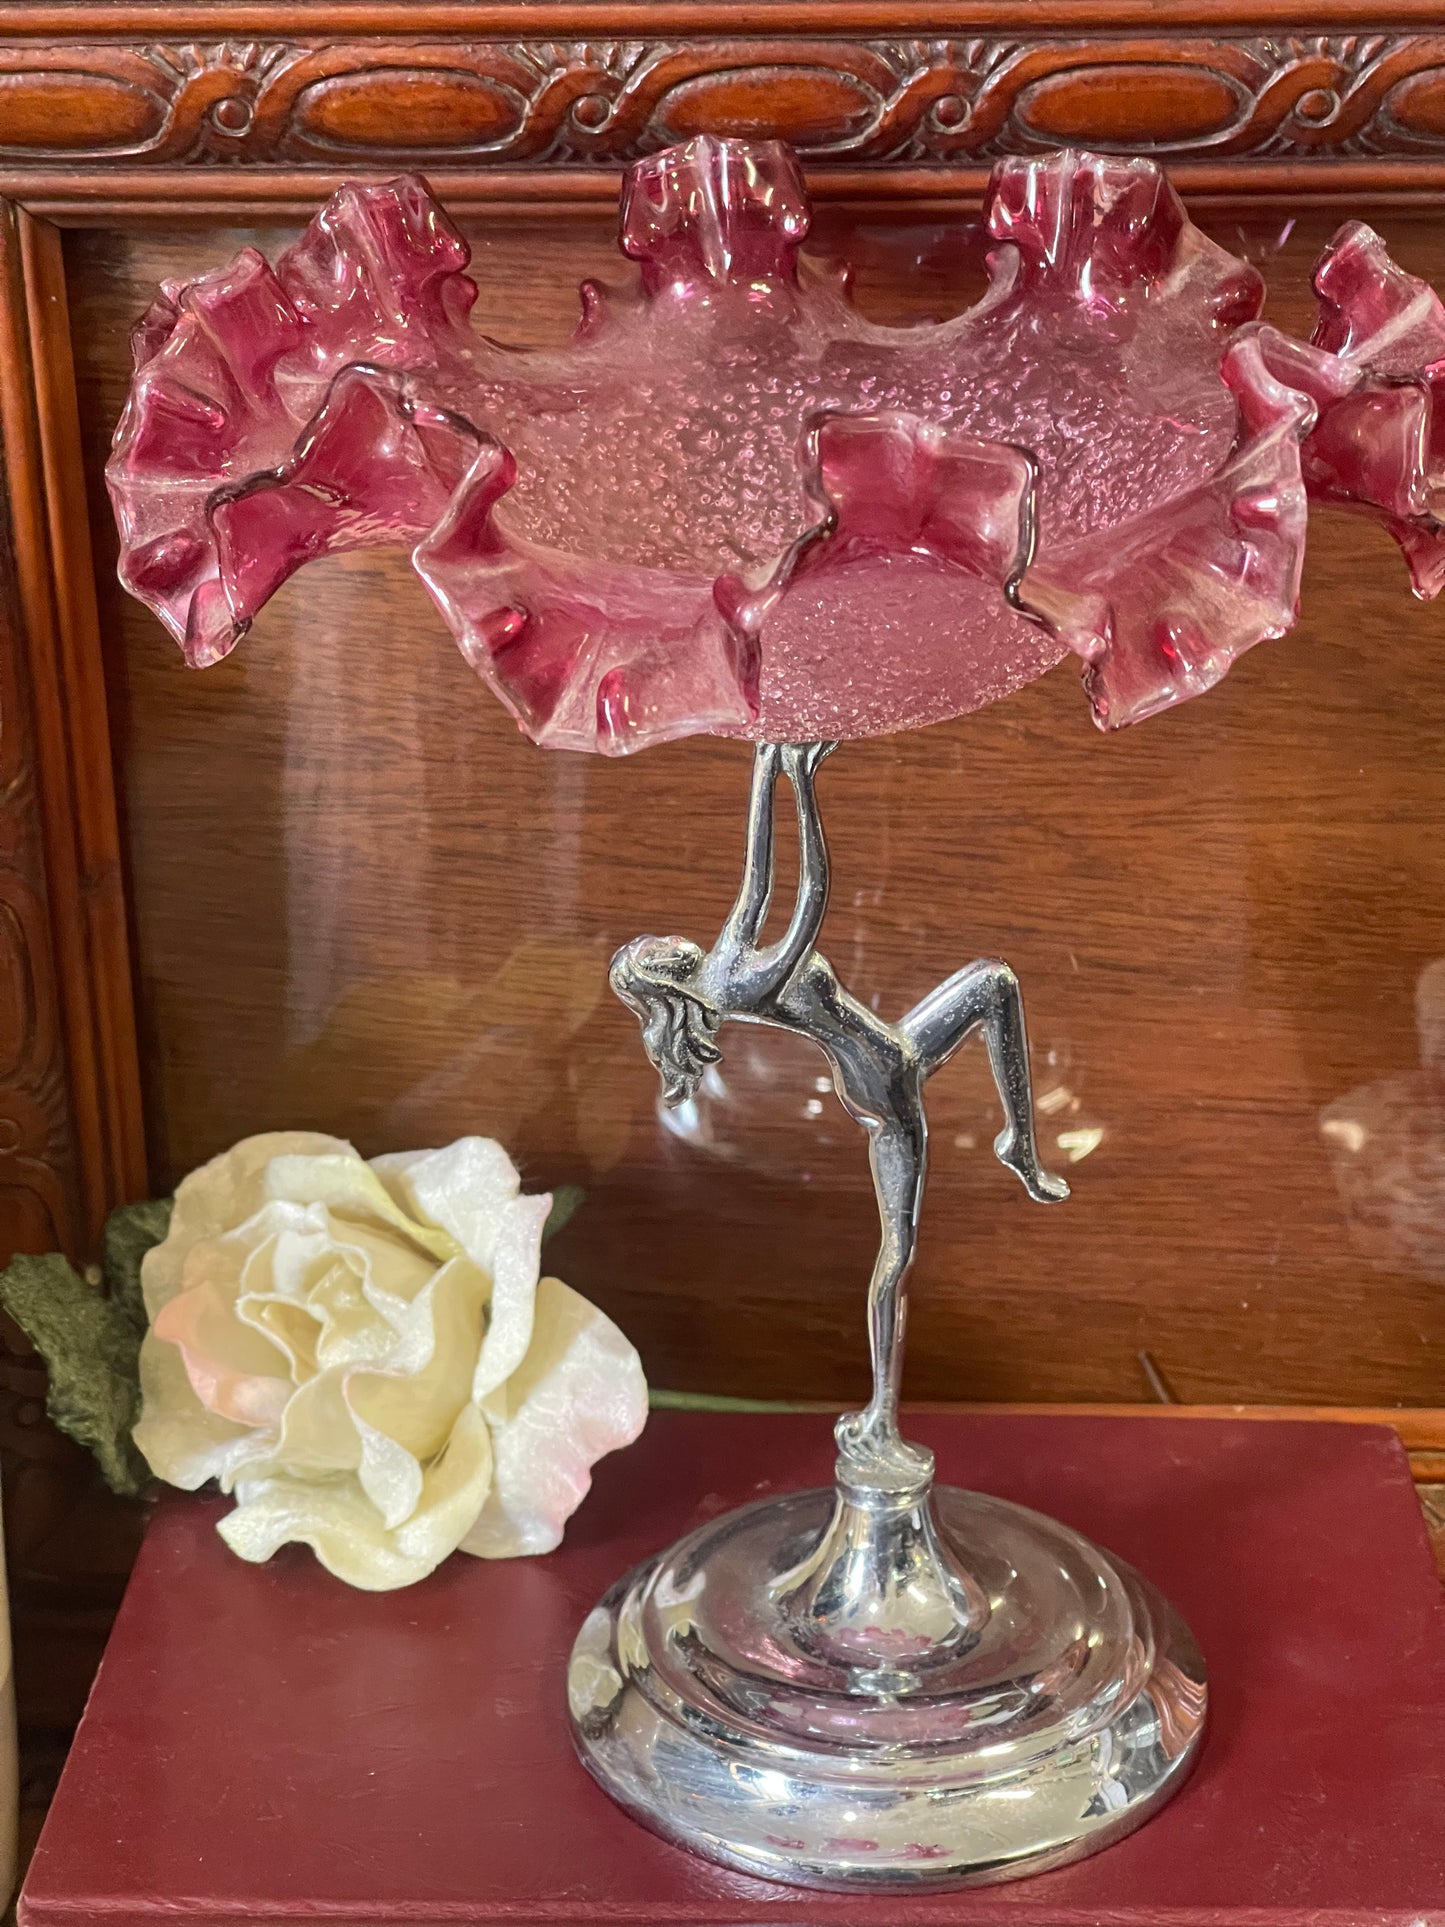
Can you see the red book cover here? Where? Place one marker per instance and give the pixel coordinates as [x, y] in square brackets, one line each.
[264, 1744]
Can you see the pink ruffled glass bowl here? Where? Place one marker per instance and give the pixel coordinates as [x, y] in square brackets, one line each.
[734, 505]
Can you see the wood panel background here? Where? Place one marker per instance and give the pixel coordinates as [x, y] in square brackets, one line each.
[357, 899]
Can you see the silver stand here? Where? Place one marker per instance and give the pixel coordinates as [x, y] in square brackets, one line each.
[889, 1684]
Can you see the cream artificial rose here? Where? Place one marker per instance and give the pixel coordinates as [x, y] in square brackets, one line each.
[364, 1354]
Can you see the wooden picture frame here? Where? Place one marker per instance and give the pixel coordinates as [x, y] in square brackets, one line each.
[121, 111]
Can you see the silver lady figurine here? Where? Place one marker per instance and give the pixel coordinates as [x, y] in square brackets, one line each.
[683, 994]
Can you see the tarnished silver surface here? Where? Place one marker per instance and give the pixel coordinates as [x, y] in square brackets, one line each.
[881, 1685]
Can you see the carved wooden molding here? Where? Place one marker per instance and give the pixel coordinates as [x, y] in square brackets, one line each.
[273, 121]
[71, 1143]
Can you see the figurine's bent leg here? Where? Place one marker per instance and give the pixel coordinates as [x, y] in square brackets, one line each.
[986, 996]
[873, 1452]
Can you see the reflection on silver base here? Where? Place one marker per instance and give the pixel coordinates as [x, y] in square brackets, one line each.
[892, 1690]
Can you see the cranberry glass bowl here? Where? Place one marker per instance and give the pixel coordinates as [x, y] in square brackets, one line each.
[733, 504]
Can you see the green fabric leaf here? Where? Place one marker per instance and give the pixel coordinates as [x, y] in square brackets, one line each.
[91, 1349]
[565, 1200]
[130, 1233]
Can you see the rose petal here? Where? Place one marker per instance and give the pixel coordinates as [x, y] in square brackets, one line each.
[311, 1279]
[213, 1200]
[233, 1368]
[348, 1187]
[517, 1258]
[317, 1434]
[462, 1189]
[402, 1409]
[579, 1394]
[471, 1189]
[179, 1439]
[391, 1272]
[288, 1225]
[414, 1395]
[281, 1249]
[346, 1532]
[290, 1328]
[390, 1476]
[355, 1328]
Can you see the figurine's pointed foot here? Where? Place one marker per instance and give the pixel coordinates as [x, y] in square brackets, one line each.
[870, 1453]
[1023, 1160]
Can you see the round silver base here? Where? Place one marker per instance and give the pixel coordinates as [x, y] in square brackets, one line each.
[1007, 1698]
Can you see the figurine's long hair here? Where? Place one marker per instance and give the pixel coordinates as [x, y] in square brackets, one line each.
[677, 1027]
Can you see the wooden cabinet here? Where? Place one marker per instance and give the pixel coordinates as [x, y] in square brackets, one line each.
[327, 884]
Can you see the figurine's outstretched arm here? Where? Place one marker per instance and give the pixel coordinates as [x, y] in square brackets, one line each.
[780, 960]
[748, 915]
